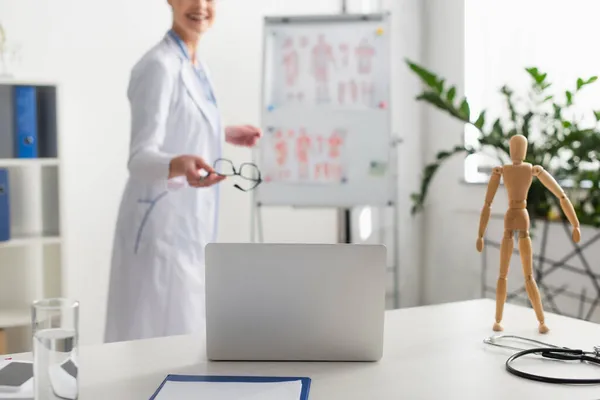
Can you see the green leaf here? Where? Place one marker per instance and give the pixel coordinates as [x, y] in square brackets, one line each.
[465, 110]
[440, 86]
[557, 111]
[527, 124]
[429, 173]
[480, 121]
[538, 77]
[569, 97]
[581, 83]
[451, 94]
[533, 72]
[566, 124]
[428, 77]
[497, 128]
[436, 100]
[547, 98]
[597, 115]
[509, 103]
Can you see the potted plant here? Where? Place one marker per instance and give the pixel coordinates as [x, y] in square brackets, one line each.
[567, 146]
[565, 142]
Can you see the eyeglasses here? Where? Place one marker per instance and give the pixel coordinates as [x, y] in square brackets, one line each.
[247, 171]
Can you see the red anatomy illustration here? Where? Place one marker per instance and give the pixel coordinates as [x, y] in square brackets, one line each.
[336, 140]
[281, 149]
[328, 172]
[317, 157]
[322, 55]
[290, 62]
[303, 143]
[364, 55]
[319, 171]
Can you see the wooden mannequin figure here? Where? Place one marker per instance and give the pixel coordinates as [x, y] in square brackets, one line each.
[518, 177]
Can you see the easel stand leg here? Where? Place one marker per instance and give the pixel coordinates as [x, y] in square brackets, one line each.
[3, 345]
[396, 247]
[344, 225]
[260, 223]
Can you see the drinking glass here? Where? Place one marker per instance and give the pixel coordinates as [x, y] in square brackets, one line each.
[55, 326]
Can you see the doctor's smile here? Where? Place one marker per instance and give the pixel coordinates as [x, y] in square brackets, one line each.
[197, 15]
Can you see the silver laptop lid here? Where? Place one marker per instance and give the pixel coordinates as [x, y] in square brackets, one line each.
[304, 302]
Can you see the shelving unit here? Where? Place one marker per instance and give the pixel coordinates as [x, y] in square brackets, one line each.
[28, 162]
[31, 261]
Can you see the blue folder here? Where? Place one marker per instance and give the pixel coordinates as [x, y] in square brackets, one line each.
[4, 207]
[26, 123]
[250, 379]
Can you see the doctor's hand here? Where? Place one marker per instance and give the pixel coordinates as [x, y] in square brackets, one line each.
[243, 135]
[197, 172]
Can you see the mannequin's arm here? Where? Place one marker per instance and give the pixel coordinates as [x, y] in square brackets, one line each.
[549, 182]
[489, 198]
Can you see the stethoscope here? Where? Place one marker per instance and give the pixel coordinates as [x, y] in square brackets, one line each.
[549, 351]
[200, 73]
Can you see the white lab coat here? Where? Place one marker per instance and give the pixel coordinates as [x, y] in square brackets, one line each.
[157, 272]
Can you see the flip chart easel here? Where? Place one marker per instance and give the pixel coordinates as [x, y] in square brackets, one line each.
[326, 116]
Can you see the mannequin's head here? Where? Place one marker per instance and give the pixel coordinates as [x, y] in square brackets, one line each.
[518, 148]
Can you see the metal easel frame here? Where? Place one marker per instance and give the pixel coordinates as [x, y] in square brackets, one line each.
[344, 214]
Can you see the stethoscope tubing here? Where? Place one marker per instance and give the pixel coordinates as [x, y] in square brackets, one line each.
[557, 354]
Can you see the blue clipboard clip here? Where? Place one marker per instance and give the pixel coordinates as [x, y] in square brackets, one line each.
[228, 379]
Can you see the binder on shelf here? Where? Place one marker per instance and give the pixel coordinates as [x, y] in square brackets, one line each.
[4, 206]
[184, 387]
[25, 123]
[7, 114]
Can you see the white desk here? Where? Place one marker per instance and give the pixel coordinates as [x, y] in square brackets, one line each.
[431, 352]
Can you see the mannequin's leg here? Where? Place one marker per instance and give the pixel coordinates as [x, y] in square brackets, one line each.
[506, 250]
[532, 289]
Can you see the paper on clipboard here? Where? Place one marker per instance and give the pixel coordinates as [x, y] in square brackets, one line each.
[287, 390]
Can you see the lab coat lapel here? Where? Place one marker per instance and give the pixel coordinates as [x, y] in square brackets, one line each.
[193, 86]
[209, 80]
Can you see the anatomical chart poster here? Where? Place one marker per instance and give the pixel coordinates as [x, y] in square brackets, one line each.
[342, 69]
[338, 67]
[300, 155]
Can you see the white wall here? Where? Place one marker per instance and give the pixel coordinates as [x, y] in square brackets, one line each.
[450, 261]
[88, 47]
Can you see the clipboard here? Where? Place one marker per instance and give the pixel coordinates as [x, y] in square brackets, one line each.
[172, 378]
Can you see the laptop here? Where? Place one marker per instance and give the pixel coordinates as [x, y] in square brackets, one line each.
[295, 302]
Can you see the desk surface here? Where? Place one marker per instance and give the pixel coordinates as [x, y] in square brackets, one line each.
[431, 352]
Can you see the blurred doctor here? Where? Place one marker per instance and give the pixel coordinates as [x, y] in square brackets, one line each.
[168, 212]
